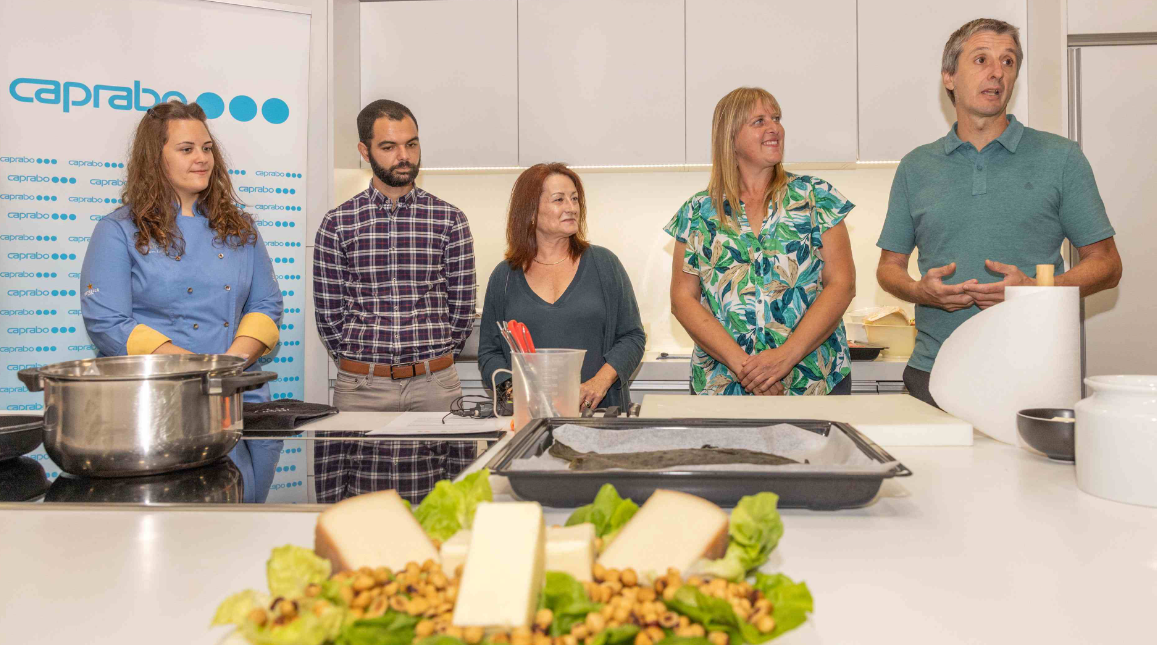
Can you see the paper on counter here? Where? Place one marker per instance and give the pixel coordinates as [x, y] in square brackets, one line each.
[1022, 353]
[419, 423]
[836, 452]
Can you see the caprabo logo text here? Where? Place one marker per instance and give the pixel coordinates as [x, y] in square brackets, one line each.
[72, 94]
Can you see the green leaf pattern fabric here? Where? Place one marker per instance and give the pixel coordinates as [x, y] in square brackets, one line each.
[760, 286]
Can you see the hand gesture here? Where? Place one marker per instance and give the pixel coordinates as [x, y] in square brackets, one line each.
[949, 297]
[986, 295]
[761, 374]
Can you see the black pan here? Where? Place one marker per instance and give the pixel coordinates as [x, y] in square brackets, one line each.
[865, 351]
[22, 479]
[20, 434]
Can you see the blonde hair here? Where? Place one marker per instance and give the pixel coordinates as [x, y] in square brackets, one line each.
[730, 114]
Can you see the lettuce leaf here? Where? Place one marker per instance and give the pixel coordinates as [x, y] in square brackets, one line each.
[621, 635]
[715, 614]
[791, 601]
[392, 628]
[235, 609]
[566, 598]
[608, 512]
[290, 569]
[755, 529]
[450, 506]
[684, 640]
[308, 628]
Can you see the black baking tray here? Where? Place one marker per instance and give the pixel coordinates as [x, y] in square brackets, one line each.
[569, 489]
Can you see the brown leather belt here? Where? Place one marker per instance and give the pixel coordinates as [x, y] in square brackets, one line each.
[397, 371]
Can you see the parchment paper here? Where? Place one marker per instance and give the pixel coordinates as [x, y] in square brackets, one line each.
[833, 453]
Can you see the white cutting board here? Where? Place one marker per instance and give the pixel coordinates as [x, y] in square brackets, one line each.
[887, 419]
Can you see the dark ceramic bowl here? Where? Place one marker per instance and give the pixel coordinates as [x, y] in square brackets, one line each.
[1053, 438]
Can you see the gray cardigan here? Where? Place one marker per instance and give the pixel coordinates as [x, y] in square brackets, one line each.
[623, 337]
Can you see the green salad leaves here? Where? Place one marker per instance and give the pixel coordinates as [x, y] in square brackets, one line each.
[608, 512]
[791, 603]
[755, 529]
[450, 507]
[566, 598]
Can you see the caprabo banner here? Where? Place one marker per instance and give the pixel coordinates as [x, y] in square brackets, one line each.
[75, 79]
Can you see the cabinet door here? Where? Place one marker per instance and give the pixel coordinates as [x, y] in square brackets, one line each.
[803, 53]
[1111, 16]
[600, 82]
[454, 64]
[1117, 92]
[901, 44]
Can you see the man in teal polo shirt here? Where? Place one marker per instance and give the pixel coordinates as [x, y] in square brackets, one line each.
[987, 203]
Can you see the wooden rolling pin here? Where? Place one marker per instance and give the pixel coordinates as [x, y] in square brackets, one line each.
[1044, 275]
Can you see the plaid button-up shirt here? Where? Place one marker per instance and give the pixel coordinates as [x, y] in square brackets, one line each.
[393, 281]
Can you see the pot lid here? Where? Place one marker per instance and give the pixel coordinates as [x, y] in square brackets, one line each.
[146, 366]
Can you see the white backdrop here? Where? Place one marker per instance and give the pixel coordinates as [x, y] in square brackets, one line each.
[77, 78]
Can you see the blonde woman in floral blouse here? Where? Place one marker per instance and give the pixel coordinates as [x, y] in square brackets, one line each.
[763, 267]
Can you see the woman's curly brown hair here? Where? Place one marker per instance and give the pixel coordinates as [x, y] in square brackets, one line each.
[153, 201]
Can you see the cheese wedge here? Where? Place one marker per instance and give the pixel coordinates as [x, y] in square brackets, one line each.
[454, 551]
[571, 549]
[371, 530]
[671, 529]
[505, 567]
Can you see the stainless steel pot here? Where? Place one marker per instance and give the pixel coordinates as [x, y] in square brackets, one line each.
[139, 415]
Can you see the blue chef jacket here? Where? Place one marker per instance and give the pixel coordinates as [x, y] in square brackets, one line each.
[133, 303]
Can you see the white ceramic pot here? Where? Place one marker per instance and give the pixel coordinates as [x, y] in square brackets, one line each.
[1116, 439]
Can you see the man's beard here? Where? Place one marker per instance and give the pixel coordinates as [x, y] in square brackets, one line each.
[398, 175]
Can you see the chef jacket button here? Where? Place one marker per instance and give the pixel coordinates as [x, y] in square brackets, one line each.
[220, 256]
[226, 324]
[196, 326]
[226, 287]
[190, 289]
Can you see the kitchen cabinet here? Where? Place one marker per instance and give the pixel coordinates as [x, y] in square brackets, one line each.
[803, 53]
[601, 82]
[1111, 16]
[1117, 92]
[902, 103]
[454, 64]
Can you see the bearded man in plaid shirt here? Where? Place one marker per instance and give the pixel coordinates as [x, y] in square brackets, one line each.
[394, 292]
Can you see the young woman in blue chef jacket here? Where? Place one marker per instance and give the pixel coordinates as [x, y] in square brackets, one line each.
[181, 269]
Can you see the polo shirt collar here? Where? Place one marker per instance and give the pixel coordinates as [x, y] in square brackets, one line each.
[1010, 138]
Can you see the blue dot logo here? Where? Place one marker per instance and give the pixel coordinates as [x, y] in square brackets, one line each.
[211, 104]
[275, 111]
[243, 108]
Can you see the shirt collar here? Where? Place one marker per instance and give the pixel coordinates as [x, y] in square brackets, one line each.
[379, 199]
[1010, 138]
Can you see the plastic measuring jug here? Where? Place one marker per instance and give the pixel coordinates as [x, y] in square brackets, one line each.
[546, 384]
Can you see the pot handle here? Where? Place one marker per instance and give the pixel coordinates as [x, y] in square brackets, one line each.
[31, 379]
[229, 384]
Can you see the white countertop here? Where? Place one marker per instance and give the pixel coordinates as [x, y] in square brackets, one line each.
[987, 543]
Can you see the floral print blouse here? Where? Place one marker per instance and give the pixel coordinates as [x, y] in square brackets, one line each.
[760, 285]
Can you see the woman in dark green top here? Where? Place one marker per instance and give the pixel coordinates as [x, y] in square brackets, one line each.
[569, 293]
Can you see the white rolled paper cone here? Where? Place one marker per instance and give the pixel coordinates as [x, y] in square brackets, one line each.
[1022, 353]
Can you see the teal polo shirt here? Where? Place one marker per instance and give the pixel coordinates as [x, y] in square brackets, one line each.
[1014, 202]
